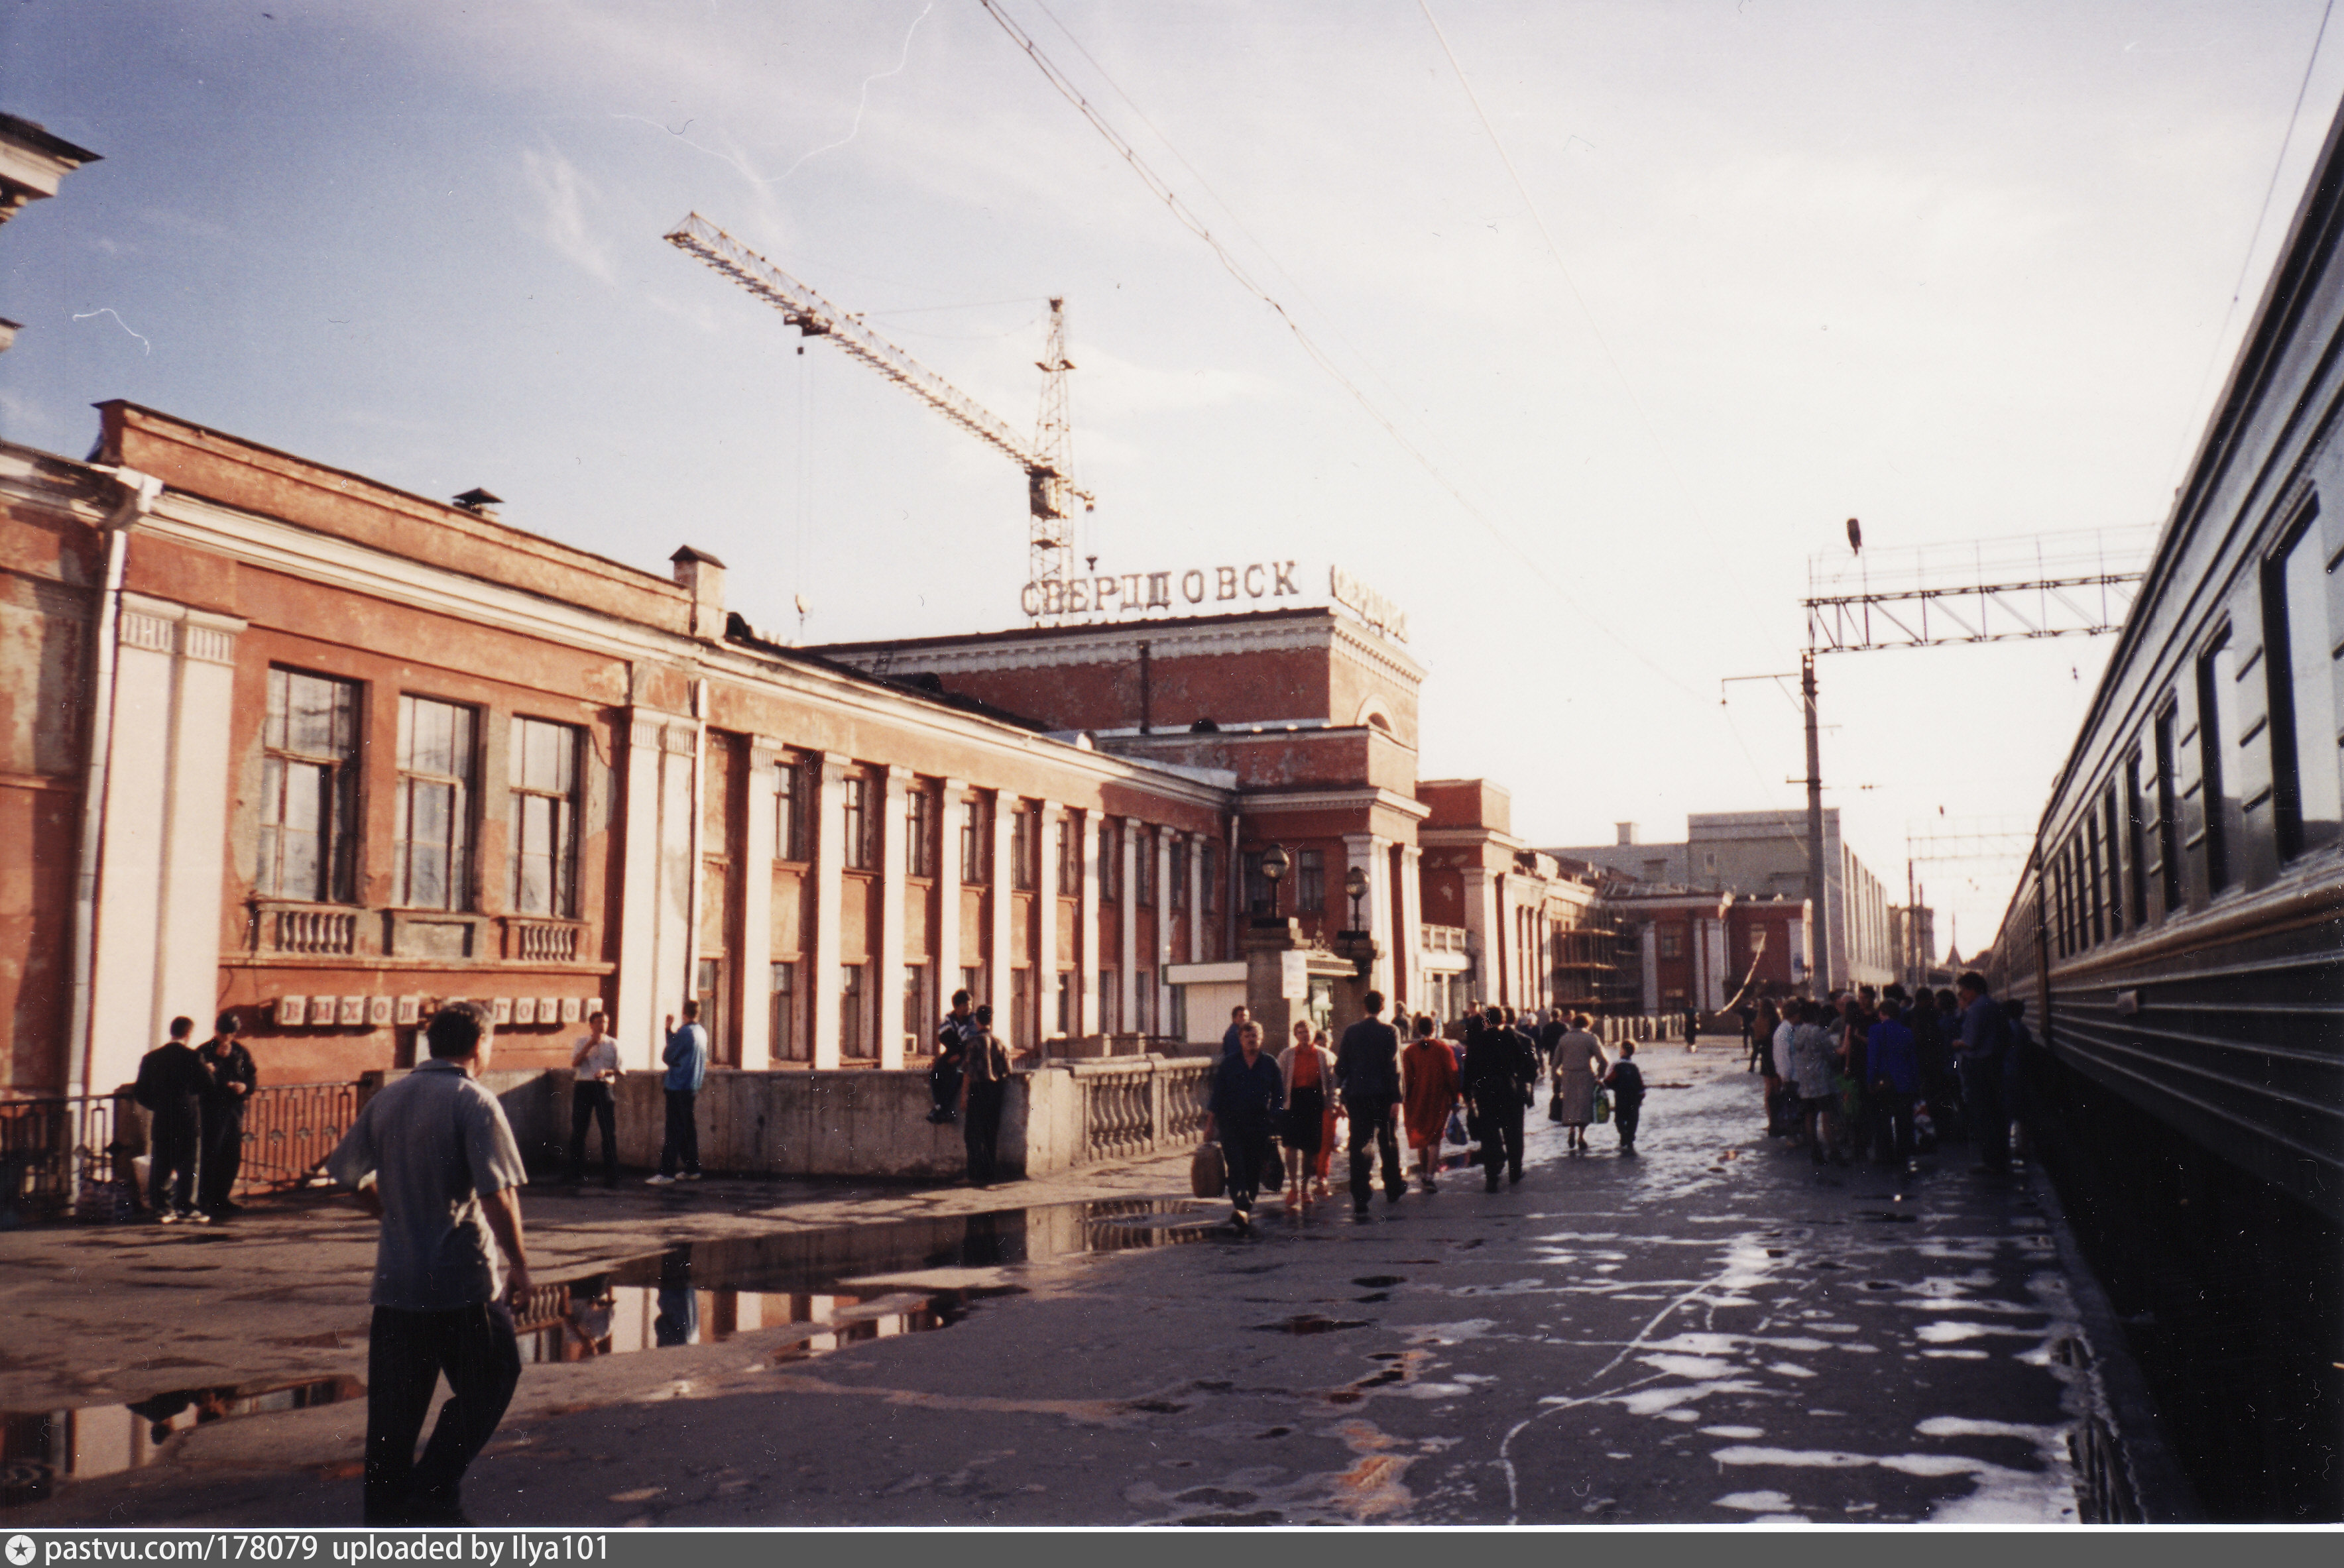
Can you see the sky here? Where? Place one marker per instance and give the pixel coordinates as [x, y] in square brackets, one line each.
[1592, 325]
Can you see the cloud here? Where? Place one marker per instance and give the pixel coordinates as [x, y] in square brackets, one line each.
[563, 196]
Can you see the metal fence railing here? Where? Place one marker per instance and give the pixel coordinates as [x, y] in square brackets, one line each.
[81, 1156]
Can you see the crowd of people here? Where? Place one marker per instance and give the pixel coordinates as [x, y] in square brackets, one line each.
[1279, 1119]
[1884, 1074]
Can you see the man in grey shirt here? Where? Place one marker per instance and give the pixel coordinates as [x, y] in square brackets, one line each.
[443, 1164]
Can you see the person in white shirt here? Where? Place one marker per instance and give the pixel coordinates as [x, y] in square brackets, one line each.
[594, 1060]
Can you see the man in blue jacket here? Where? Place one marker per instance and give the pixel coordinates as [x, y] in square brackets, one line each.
[1892, 1060]
[686, 1056]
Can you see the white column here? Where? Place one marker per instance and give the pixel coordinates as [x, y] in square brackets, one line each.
[1483, 935]
[637, 1021]
[1411, 924]
[1127, 1000]
[1649, 942]
[1046, 921]
[829, 870]
[946, 949]
[1372, 855]
[755, 867]
[1194, 850]
[1086, 913]
[158, 945]
[1161, 1009]
[1000, 943]
[893, 860]
[674, 931]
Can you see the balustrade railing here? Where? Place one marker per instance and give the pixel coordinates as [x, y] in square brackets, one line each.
[329, 933]
[541, 941]
[1131, 1108]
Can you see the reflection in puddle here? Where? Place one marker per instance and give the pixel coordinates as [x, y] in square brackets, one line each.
[694, 1293]
[39, 1447]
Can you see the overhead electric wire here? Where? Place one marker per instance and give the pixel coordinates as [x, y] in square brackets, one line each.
[1188, 219]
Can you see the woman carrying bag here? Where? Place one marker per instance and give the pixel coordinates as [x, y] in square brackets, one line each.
[1249, 1092]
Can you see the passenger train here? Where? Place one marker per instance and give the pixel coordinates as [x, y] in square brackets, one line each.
[2179, 933]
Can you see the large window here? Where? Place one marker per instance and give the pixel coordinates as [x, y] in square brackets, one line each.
[1024, 848]
[853, 1025]
[2302, 672]
[977, 841]
[543, 775]
[1179, 879]
[857, 823]
[1259, 897]
[432, 843]
[919, 832]
[920, 1014]
[1070, 859]
[309, 789]
[1110, 861]
[1143, 869]
[1210, 871]
[793, 807]
[1310, 881]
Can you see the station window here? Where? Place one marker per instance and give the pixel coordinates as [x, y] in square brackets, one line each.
[1258, 896]
[793, 808]
[855, 828]
[1143, 869]
[1309, 881]
[1024, 848]
[1671, 942]
[787, 1045]
[1210, 871]
[919, 832]
[2301, 661]
[432, 845]
[542, 780]
[1110, 860]
[1070, 858]
[851, 1024]
[309, 789]
[977, 841]
[1179, 877]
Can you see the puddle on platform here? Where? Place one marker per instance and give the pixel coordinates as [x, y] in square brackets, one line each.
[694, 1293]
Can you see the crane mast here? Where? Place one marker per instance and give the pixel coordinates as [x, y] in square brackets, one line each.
[1047, 459]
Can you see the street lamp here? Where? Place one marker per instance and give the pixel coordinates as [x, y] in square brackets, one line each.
[1274, 863]
[1355, 883]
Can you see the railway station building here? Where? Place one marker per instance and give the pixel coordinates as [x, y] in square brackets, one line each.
[284, 739]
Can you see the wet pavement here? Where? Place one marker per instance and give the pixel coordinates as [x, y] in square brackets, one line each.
[1713, 1331]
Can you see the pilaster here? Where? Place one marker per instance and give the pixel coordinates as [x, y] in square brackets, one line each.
[160, 869]
[829, 872]
[952, 812]
[1127, 1001]
[1159, 1010]
[1408, 946]
[1000, 942]
[1194, 850]
[1045, 922]
[1086, 916]
[888, 978]
[1484, 937]
[1373, 855]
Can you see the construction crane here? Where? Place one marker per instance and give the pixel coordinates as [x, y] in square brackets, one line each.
[1047, 459]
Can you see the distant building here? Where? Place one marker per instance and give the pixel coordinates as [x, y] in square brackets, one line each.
[33, 164]
[1763, 855]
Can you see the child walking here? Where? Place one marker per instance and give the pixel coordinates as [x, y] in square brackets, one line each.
[1626, 1083]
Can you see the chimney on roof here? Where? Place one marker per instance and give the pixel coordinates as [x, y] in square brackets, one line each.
[1627, 832]
[702, 576]
[478, 501]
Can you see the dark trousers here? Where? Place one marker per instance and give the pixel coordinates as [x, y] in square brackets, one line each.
[944, 1091]
[1371, 1130]
[589, 1104]
[171, 1164]
[223, 1157]
[683, 1140]
[1625, 1114]
[1891, 1134]
[981, 1129]
[1983, 1112]
[1502, 1136]
[1244, 1150]
[407, 1353]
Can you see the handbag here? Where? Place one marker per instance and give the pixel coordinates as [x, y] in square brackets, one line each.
[1273, 1169]
[1603, 1104]
[1207, 1176]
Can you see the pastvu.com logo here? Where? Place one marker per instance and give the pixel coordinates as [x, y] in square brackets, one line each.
[20, 1550]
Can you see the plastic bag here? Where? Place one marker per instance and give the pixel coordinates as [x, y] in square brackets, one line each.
[1207, 1176]
[1457, 1129]
[1924, 1131]
[1603, 1104]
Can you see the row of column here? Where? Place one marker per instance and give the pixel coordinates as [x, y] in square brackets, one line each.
[660, 936]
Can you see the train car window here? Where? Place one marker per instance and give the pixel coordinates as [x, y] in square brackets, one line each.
[2094, 881]
[2217, 749]
[2169, 818]
[2116, 859]
[2136, 842]
[2301, 676]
